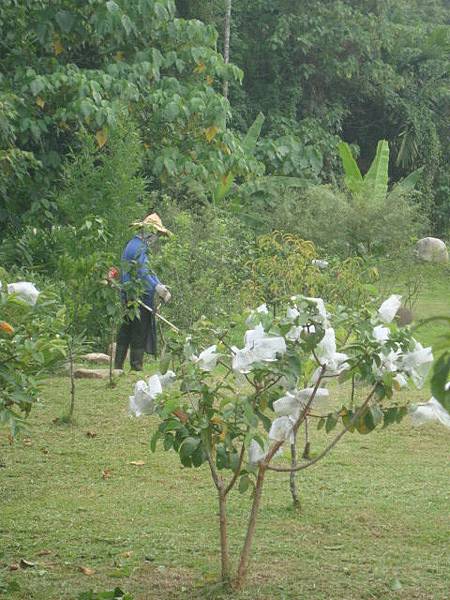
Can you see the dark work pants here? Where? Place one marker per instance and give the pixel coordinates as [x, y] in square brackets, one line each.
[138, 334]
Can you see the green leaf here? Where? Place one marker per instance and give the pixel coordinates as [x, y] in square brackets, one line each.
[223, 187]
[353, 178]
[198, 457]
[267, 423]
[172, 111]
[154, 440]
[250, 418]
[112, 6]
[168, 441]
[330, 423]
[244, 484]
[409, 183]
[252, 135]
[164, 363]
[390, 416]
[375, 183]
[439, 379]
[65, 20]
[188, 447]
[127, 24]
[346, 418]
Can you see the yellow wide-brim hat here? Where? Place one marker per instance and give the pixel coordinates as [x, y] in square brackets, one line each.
[152, 222]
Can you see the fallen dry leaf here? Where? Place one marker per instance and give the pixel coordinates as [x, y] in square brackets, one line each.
[127, 554]
[14, 567]
[181, 415]
[26, 564]
[137, 463]
[44, 552]
[86, 570]
[91, 434]
[106, 474]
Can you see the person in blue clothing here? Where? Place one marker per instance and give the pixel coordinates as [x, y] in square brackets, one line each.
[138, 334]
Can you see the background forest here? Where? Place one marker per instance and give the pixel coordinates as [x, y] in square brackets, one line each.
[109, 110]
[298, 151]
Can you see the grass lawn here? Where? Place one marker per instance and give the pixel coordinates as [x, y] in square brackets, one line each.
[375, 521]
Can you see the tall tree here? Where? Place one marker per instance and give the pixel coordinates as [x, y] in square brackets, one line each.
[226, 41]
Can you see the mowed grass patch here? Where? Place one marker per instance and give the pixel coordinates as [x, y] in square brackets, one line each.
[375, 512]
[374, 521]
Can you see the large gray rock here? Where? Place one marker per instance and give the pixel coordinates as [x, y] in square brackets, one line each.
[432, 250]
[97, 357]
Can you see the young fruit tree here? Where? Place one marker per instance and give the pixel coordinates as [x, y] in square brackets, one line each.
[30, 345]
[236, 408]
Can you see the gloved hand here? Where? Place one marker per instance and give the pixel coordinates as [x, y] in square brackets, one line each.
[163, 292]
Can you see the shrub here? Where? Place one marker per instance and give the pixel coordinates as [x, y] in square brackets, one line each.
[203, 263]
[30, 345]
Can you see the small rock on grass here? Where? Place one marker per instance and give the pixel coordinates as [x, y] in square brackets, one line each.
[82, 373]
[97, 357]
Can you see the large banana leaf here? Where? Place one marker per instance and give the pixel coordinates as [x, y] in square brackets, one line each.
[353, 178]
[223, 187]
[252, 135]
[409, 182]
[375, 183]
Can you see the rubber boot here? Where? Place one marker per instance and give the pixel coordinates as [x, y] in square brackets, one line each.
[136, 358]
[121, 354]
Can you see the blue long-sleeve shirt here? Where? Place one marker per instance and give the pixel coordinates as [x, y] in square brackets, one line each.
[136, 251]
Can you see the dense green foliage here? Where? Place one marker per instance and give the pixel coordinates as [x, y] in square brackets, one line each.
[359, 70]
[112, 109]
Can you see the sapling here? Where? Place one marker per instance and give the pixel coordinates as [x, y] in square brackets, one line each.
[236, 408]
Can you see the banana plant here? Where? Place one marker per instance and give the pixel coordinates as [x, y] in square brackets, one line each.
[374, 184]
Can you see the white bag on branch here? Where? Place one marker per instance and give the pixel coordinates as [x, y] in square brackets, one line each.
[381, 333]
[24, 290]
[305, 394]
[287, 406]
[259, 347]
[207, 359]
[256, 454]
[281, 429]
[292, 313]
[291, 404]
[294, 333]
[320, 305]
[417, 364]
[261, 310]
[167, 379]
[143, 400]
[326, 348]
[389, 308]
[429, 412]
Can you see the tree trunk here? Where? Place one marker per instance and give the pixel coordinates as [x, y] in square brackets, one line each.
[307, 449]
[226, 41]
[224, 537]
[293, 474]
[245, 554]
[111, 358]
[72, 384]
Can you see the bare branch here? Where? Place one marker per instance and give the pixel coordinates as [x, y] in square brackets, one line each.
[332, 444]
[237, 472]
